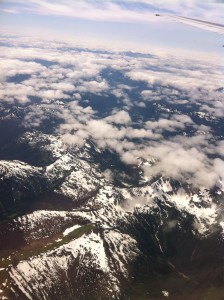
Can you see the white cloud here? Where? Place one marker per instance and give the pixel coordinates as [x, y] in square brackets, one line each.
[220, 148]
[95, 87]
[129, 158]
[120, 117]
[141, 104]
[120, 11]
[35, 117]
[176, 122]
[101, 130]
[175, 81]
[107, 11]
[11, 92]
[141, 134]
[12, 67]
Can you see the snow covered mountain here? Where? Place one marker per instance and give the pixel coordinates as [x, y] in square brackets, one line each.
[111, 173]
[105, 241]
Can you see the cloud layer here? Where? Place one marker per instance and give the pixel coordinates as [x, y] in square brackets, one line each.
[137, 106]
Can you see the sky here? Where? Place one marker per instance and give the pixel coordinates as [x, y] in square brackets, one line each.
[122, 24]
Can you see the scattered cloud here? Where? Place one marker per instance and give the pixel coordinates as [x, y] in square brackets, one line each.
[176, 122]
[159, 83]
[120, 117]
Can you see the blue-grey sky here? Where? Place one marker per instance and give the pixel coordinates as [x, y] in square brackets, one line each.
[123, 24]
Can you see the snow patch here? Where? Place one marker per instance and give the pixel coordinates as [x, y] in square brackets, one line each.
[68, 230]
[165, 293]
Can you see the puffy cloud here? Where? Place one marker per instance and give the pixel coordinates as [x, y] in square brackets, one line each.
[149, 95]
[95, 87]
[141, 104]
[178, 79]
[141, 134]
[121, 117]
[176, 122]
[100, 129]
[12, 67]
[220, 148]
[182, 84]
[129, 158]
[52, 94]
[11, 92]
[195, 157]
[185, 158]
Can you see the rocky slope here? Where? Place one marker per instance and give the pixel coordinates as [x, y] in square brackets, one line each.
[100, 240]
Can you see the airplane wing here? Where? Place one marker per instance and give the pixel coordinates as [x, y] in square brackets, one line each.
[214, 27]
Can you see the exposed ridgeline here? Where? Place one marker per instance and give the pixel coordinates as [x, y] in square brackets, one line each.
[88, 237]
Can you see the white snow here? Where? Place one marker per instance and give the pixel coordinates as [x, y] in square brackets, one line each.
[30, 275]
[205, 215]
[35, 225]
[78, 184]
[166, 186]
[165, 293]
[27, 291]
[68, 230]
[122, 252]
[15, 168]
[196, 199]
[48, 142]
[58, 240]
